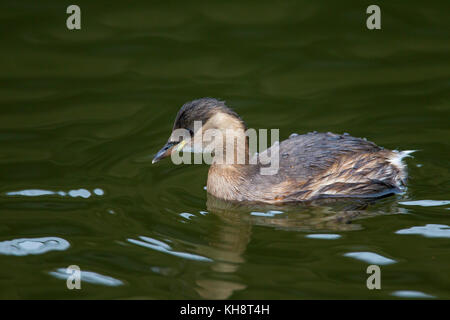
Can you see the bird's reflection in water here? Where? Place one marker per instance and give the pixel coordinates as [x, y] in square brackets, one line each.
[227, 244]
[228, 240]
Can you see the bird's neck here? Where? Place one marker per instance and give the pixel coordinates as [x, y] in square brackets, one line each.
[229, 167]
[231, 159]
[226, 181]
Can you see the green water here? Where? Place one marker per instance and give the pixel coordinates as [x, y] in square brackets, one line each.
[82, 113]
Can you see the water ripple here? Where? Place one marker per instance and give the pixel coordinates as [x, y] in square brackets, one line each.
[411, 294]
[163, 247]
[370, 257]
[88, 276]
[187, 215]
[83, 193]
[425, 203]
[323, 236]
[429, 231]
[27, 246]
[271, 213]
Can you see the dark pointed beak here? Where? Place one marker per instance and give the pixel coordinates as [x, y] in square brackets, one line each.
[165, 151]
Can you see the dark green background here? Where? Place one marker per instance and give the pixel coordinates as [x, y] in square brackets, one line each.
[87, 109]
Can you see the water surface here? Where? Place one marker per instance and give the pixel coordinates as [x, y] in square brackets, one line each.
[82, 112]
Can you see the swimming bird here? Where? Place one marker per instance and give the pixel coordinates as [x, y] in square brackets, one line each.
[310, 166]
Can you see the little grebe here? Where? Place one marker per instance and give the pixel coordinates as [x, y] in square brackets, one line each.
[311, 166]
